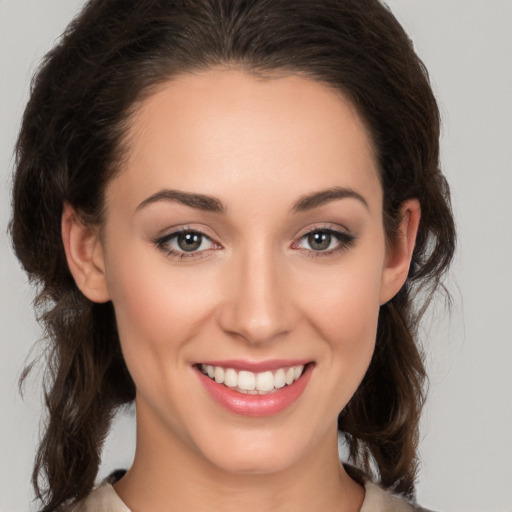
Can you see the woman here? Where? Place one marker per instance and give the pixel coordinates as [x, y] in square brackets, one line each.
[230, 208]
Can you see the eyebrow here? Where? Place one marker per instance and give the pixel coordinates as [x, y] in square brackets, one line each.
[212, 204]
[198, 201]
[310, 201]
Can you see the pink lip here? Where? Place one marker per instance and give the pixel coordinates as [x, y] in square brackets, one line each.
[256, 405]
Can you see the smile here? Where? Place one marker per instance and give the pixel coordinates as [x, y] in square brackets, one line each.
[268, 389]
[252, 383]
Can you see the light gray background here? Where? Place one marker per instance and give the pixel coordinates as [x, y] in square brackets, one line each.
[467, 429]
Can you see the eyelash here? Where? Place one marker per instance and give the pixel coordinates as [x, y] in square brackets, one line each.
[163, 242]
[345, 241]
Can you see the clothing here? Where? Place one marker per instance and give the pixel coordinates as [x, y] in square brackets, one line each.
[105, 499]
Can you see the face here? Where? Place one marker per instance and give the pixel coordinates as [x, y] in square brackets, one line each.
[243, 239]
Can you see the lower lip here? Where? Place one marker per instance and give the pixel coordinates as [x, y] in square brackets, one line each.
[256, 405]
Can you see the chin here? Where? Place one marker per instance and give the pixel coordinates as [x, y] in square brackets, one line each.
[255, 464]
[257, 453]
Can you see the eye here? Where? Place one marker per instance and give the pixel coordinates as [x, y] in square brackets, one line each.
[325, 240]
[189, 242]
[320, 240]
[185, 243]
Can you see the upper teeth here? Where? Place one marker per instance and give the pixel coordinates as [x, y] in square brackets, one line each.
[253, 383]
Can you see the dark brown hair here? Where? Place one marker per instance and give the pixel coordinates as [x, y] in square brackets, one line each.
[71, 143]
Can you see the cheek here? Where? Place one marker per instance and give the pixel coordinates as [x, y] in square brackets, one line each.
[345, 304]
[345, 310]
[157, 311]
[350, 325]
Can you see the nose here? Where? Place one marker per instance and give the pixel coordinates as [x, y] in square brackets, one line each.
[257, 306]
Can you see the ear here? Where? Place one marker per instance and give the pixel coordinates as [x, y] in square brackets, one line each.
[399, 251]
[84, 254]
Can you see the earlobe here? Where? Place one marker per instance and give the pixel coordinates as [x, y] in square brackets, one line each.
[84, 254]
[400, 251]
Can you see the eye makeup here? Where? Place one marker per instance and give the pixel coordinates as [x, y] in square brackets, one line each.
[187, 243]
[324, 241]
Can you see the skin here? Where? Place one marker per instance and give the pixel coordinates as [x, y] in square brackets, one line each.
[256, 290]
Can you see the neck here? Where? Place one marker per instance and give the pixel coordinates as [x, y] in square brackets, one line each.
[167, 475]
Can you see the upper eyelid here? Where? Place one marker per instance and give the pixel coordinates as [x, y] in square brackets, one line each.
[174, 234]
[344, 235]
[169, 238]
[334, 228]
[163, 243]
[169, 233]
[175, 231]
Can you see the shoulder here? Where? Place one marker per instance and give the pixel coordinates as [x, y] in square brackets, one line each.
[378, 499]
[101, 499]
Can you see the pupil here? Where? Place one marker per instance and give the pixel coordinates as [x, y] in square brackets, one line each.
[189, 241]
[319, 241]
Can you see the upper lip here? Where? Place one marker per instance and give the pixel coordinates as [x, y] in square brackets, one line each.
[256, 366]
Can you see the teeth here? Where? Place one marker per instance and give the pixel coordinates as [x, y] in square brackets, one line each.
[253, 383]
[246, 380]
[219, 375]
[231, 379]
[264, 381]
[289, 376]
[297, 372]
[279, 379]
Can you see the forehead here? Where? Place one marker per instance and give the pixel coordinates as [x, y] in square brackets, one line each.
[210, 131]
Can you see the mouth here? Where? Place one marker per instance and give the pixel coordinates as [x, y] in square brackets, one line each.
[252, 383]
[255, 389]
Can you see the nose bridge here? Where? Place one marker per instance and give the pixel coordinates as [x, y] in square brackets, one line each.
[257, 308]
